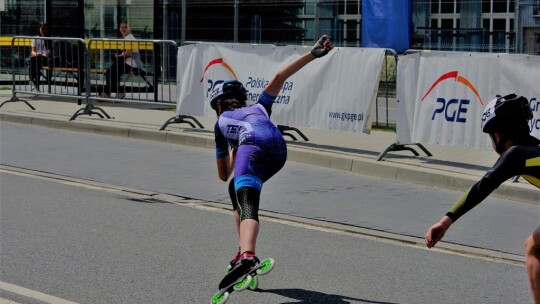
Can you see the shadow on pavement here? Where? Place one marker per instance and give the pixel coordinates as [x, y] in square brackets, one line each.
[316, 297]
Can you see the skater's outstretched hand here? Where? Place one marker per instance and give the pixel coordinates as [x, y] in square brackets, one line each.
[436, 232]
[322, 47]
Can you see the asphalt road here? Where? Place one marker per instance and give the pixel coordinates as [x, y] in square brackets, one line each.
[93, 245]
[89, 242]
[297, 190]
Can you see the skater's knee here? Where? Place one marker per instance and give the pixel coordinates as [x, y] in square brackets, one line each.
[232, 194]
[247, 180]
[248, 203]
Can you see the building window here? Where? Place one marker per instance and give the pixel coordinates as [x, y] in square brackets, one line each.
[498, 6]
[447, 6]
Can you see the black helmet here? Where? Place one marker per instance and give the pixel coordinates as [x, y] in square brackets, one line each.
[509, 113]
[227, 90]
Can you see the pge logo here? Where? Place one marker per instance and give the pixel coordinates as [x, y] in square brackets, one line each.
[454, 109]
[219, 62]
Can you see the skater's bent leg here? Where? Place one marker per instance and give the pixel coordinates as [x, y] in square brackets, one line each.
[249, 230]
[248, 205]
[532, 258]
[234, 201]
[237, 222]
[248, 192]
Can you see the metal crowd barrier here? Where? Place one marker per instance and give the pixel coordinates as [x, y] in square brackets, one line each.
[95, 71]
[144, 77]
[387, 89]
[130, 71]
[395, 147]
[58, 72]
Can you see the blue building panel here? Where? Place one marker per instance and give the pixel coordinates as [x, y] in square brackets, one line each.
[387, 24]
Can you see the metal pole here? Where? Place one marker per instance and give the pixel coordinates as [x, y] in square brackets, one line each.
[165, 21]
[518, 26]
[183, 30]
[236, 9]
[316, 24]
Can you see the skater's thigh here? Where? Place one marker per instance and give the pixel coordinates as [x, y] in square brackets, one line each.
[256, 161]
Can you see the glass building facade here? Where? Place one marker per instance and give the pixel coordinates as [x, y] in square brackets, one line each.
[472, 25]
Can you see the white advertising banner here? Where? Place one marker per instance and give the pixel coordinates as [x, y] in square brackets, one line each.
[335, 92]
[442, 95]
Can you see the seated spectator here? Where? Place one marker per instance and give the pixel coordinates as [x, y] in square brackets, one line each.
[126, 62]
[40, 55]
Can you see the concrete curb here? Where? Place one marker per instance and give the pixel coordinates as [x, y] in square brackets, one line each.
[317, 157]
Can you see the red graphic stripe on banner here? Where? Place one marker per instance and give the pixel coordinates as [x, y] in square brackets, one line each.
[452, 74]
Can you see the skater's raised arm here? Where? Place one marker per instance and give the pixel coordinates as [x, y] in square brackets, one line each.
[320, 49]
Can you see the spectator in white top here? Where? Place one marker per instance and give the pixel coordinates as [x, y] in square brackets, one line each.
[40, 55]
[122, 64]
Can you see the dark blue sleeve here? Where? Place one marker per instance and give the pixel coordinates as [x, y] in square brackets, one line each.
[509, 164]
[222, 147]
[266, 100]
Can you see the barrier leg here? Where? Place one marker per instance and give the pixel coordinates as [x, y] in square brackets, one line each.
[290, 135]
[424, 149]
[89, 110]
[182, 119]
[16, 99]
[283, 130]
[396, 147]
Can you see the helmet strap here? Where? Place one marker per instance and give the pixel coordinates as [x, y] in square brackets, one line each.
[501, 141]
[219, 109]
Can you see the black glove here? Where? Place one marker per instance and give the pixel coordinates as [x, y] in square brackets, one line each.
[322, 47]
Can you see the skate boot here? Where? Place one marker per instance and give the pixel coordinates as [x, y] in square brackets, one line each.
[239, 273]
[254, 282]
[233, 262]
[242, 275]
[251, 281]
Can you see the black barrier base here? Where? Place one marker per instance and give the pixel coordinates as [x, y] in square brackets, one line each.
[283, 130]
[397, 147]
[17, 99]
[89, 110]
[182, 119]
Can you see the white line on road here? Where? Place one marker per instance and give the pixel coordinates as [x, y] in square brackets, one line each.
[6, 301]
[362, 232]
[36, 295]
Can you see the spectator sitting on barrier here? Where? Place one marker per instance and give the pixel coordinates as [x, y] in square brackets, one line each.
[124, 63]
[506, 120]
[40, 55]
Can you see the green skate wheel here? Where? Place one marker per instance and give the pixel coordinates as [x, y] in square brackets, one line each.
[254, 283]
[221, 299]
[268, 265]
[242, 285]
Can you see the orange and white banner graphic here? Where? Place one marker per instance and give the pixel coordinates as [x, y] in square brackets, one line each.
[441, 96]
[335, 92]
